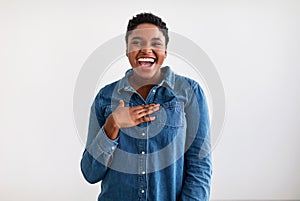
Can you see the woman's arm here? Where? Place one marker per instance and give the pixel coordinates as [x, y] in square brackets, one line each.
[99, 148]
[198, 155]
[103, 135]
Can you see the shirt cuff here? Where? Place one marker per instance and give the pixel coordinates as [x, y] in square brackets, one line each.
[105, 142]
[102, 147]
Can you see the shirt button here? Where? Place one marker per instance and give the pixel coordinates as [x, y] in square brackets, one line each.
[142, 152]
[143, 172]
[153, 90]
[113, 148]
[142, 191]
[143, 134]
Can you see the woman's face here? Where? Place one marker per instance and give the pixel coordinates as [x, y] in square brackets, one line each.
[146, 50]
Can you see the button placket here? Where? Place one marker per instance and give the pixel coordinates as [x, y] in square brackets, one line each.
[142, 166]
[151, 95]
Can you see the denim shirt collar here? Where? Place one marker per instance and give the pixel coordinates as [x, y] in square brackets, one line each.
[168, 80]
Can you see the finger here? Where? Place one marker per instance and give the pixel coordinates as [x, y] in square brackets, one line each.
[141, 107]
[152, 105]
[155, 108]
[142, 111]
[146, 112]
[145, 119]
[121, 103]
[148, 108]
[137, 109]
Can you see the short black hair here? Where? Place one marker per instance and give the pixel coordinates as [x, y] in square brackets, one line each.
[147, 18]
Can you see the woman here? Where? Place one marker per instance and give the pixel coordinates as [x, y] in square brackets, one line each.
[149, 131]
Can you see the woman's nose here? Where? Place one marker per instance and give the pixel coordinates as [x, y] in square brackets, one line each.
[146, 49]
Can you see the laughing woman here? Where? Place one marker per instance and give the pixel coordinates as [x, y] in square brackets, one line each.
[148, 135]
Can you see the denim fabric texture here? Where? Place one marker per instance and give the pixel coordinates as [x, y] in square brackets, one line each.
[168, 159]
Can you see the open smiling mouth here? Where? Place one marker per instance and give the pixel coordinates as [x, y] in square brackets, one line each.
[146, 62]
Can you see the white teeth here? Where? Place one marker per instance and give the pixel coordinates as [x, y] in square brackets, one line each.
[146, 59]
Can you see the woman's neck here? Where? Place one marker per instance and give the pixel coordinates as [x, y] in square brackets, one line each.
[143, 86]
[137, 82]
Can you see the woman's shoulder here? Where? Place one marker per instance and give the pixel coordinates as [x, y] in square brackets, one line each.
[185, 80]
[108, 89]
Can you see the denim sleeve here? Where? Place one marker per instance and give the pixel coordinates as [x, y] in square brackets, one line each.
[198, 165]
[99, 148]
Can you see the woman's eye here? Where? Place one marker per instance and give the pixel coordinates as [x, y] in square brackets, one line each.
[136, 42]
[156, 44]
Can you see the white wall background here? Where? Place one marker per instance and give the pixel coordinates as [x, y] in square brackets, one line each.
[255, 46]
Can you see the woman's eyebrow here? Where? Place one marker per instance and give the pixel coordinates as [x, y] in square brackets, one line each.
[156, 39]
[136, 38]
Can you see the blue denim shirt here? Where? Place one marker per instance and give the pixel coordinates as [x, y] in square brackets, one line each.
[167, 159]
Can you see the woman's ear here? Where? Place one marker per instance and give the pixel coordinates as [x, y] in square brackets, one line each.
[166, 53]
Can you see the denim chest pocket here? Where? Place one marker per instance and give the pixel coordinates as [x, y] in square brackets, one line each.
[171, 114]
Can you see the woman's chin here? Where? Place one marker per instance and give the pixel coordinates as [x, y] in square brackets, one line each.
[145, 67]
[146, 74]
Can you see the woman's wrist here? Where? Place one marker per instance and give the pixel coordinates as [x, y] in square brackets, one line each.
[111, 128]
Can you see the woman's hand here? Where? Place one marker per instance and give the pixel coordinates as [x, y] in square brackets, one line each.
[125, 117]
